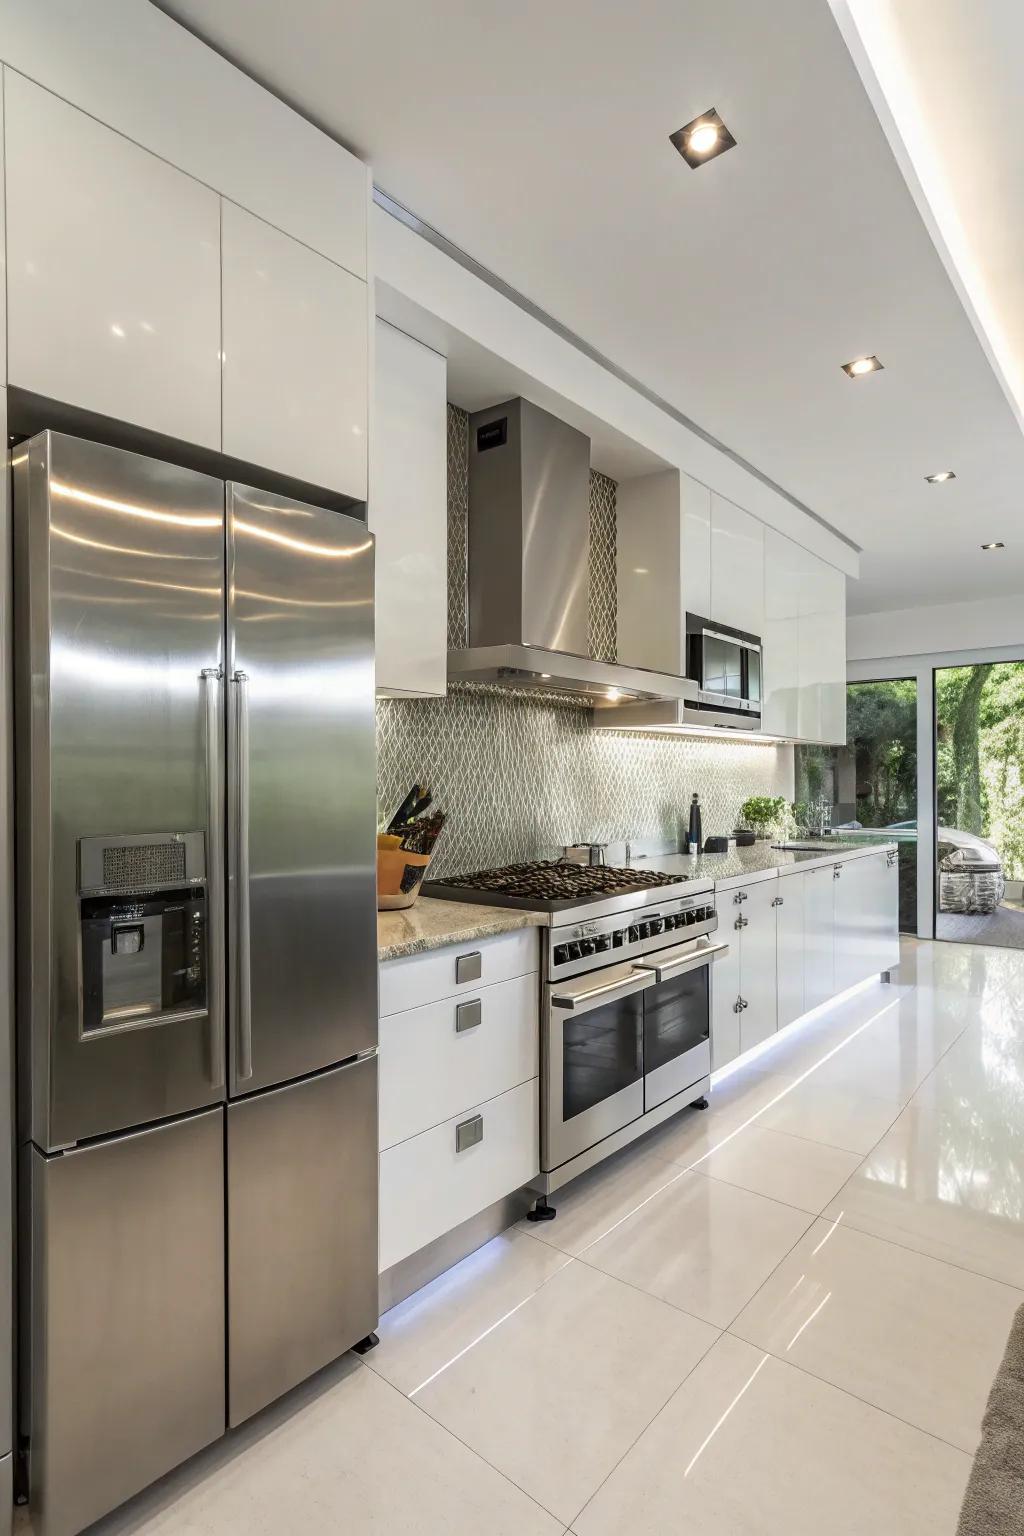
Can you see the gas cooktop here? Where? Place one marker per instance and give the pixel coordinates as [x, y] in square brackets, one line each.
[549, 885]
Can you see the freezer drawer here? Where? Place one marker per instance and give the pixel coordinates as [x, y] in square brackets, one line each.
[302, 1231]
[126, 1317]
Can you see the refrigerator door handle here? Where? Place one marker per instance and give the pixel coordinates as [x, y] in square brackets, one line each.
[242, 990]
[211, 677]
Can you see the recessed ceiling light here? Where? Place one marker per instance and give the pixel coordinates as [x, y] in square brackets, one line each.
[862, 365]
[941, 476]
[997, 545]
[703, 139]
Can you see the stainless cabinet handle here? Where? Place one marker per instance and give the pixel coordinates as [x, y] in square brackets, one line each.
[737, 1006]
[469, 1133]
[779, 901]
[836, 873]
[243, 976]
[740, 896]
[468, 1015]
[742, 922]
[468, 967]
[211, 677]
[744, 1003]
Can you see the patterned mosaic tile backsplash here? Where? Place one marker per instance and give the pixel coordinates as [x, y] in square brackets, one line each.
[520, 777]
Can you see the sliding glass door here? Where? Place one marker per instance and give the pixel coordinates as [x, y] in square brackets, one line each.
[871, 783]
[979, 796]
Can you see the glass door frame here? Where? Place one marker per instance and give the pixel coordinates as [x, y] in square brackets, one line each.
[923, 667]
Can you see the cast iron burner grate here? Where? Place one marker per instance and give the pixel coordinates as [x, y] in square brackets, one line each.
[554, 880]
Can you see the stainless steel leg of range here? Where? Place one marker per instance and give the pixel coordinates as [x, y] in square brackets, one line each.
[128, 1315]
[302, 1230]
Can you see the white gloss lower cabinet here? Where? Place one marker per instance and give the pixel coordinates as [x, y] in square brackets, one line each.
[428, 1185]
[295, 357]
[408, 513]
[856, 922]
[867, 918]
[456, 1051]
[745, 1001]
[819, 936]
[789, 950]
[113, 272]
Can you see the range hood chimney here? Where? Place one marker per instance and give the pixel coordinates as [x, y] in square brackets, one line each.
[529, 551]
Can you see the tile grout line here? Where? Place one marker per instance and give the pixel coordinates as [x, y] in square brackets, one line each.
[836, 1387]
[471, 1449]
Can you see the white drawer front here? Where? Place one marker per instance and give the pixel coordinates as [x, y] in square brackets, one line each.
[427, 1187]
[418, 979]
[437, 1059]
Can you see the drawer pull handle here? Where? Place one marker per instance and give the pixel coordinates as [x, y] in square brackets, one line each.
[469, 1133]
[468, 967]
[468, 1015]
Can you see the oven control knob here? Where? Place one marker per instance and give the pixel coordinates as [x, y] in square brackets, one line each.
[574, 951]
[657, 925]
[586, 946]
[644, 930]
[619, 937]
[709, 913]
[561, 954]
[604, 942]
[691, 915]
[634, 933]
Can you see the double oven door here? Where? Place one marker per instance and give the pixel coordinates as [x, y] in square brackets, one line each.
[621, 1041]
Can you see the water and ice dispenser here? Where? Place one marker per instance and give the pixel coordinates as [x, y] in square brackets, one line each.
[144, 929]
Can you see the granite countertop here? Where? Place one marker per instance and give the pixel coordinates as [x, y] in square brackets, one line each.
[431, 924]
[763, 861]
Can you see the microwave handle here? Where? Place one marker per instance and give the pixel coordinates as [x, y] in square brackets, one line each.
[678, 965]
[609, 991]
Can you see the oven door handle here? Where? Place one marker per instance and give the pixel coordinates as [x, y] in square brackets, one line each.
[678, 965]
[609, 991]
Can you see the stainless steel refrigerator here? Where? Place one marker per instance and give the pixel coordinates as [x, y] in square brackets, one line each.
[197, 1011]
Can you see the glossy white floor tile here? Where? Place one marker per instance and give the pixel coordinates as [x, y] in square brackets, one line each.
[750, 1446]
[788, 1168]
[599, 1198]
[557, 1395]
[423, 1334]
[702, 1245]
[837, 1116]
[907, 1333]
[346, 1453]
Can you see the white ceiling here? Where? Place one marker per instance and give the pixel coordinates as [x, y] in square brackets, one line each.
[535, 136]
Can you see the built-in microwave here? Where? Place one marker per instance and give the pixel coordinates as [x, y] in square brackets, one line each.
[725, 664]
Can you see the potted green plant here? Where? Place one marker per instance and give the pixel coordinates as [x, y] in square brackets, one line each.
[763, 814]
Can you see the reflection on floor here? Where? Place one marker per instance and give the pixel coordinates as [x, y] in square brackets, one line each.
[781, 1316]
[1004, 926]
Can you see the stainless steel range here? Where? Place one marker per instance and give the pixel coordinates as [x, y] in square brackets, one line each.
[625, 1001]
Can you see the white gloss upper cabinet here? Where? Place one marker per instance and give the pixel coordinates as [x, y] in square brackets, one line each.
[696, 505]
[113, 284]
[737, 567]
[408, 513]
[295, 357]
[783, 581]
[822, 704]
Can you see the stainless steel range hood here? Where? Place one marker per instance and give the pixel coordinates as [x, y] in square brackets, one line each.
[529, 552]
